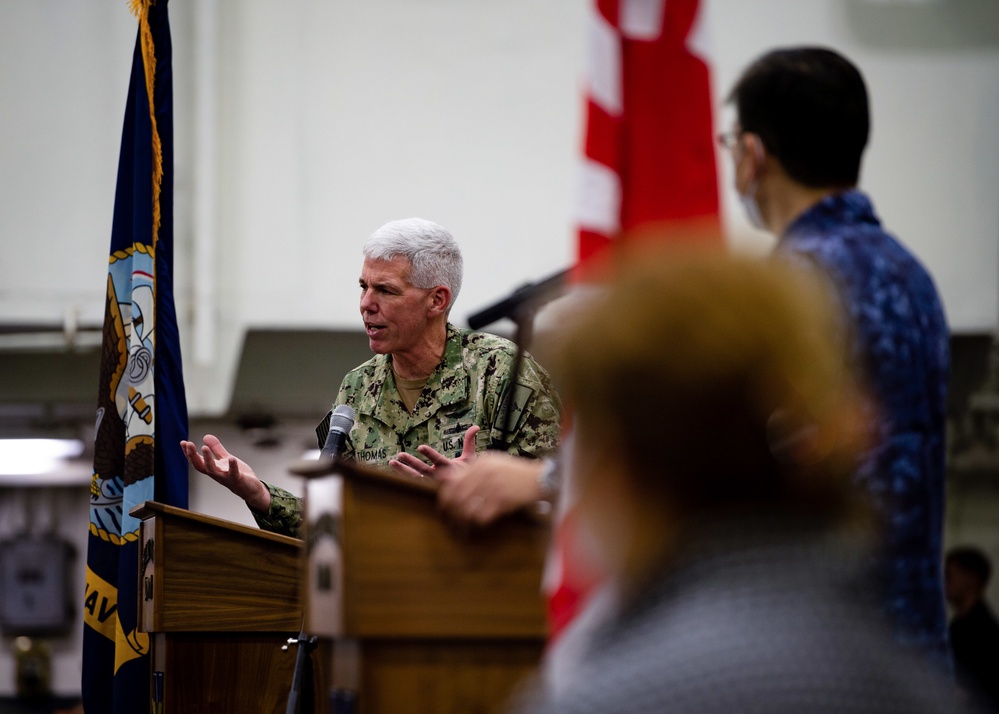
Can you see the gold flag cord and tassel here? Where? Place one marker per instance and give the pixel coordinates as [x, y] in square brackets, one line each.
[140, 8]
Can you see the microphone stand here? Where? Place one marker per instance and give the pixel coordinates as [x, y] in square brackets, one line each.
[306, 643]
[536, 294]
[520, 306]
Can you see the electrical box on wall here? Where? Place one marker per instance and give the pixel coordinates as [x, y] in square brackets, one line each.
[35, 596]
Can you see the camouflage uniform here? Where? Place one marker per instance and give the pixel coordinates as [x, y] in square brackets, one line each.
[468, 387]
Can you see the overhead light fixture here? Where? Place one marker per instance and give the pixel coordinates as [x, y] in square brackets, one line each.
[42, 462]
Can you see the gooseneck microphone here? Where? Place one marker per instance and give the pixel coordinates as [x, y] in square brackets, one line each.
[341, 422]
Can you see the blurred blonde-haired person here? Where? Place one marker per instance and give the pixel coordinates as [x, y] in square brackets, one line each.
[716, 431]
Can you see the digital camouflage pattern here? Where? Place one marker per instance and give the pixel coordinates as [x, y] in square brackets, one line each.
[900, 343]
[469, 387]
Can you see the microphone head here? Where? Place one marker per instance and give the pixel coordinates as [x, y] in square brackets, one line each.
[342, 419]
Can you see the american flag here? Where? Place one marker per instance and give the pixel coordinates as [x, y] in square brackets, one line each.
[648, 171]
[649, 153]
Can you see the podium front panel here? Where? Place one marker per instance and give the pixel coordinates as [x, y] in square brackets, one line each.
[199, 573]
[407, 573]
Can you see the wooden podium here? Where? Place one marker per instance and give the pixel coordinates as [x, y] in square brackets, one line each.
[421, 618]
[418, 618]
[218, 600]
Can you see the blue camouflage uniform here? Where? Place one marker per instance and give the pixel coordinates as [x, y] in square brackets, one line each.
[899, 340]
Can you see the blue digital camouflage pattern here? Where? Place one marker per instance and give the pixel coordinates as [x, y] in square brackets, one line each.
[899, 340]
[469, 386]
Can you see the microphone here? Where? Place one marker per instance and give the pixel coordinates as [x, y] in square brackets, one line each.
[341, 422]
[529, 295]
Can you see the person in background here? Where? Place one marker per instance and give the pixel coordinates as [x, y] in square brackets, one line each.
[428, 383]
[716, 435]
[796, 145]
[974, 630]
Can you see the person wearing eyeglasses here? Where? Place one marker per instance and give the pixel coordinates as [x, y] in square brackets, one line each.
[796, 147]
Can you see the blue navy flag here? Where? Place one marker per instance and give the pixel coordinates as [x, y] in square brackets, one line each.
[141, 406]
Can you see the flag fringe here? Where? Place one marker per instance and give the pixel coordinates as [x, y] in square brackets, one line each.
[140, 8]
[117, 255]
[113, 538]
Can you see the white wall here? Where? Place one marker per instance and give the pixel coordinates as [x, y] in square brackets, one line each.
[333, 117]
[63, 78]
[336, 117]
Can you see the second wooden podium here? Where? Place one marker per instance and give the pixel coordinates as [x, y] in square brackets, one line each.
[218, 601]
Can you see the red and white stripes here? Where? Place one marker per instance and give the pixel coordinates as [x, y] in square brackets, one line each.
[649, 154]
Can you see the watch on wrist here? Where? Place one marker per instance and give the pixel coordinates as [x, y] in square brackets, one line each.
[550, 479]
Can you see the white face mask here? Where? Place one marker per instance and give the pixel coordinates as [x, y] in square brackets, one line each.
[751, 206]
[748, 199]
